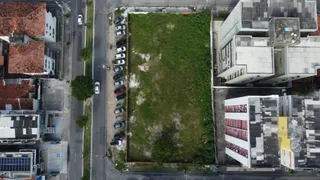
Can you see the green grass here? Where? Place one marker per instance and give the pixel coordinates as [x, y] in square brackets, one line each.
[177, 85]
[89, 31]
[87, 145]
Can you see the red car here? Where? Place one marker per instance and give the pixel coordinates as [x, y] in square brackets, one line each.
[120, 90]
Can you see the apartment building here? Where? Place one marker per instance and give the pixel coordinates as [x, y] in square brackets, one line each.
[260, 38]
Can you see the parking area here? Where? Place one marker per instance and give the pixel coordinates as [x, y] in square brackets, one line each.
[116, 90]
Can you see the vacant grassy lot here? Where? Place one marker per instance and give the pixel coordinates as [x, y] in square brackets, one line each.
[169, 98]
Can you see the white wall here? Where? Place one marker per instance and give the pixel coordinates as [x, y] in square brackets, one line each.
[49, 65]
[51, 28]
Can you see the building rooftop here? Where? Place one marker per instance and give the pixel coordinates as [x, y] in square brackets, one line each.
[256, 14]
[22, 17]
[26, 58]
[17, 164]
[284, 30]
[16, 95]
[263, 131]
[255, 53]
[19, 127]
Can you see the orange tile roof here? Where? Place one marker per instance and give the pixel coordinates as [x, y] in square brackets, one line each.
[26, 58]
[1, 60]
[17, 95]
[23, 17]
[317, 33]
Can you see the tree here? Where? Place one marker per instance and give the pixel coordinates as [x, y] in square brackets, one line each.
[305, 89]
[88, 24]
[86, 53]
[68, 15]
[82, 87]
[82, 121]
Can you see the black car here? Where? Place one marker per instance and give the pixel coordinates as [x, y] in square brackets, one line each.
[117, 76]
[120, 97]
[118, 20]
[115, 142]
[119, 135]
[121, 43]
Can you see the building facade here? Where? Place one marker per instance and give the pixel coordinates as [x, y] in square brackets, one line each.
[265, 35]
[251, 130]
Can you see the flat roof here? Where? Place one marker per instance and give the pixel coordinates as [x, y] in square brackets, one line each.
[256, 13]
[19, 127]
[307, 59]
[285, 30]
[255, 53]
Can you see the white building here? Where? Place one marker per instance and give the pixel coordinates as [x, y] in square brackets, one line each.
[251, 130]
[246, 59]
[274, 26]
[51, 30]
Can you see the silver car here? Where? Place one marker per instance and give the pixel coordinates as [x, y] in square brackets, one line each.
[97, 88]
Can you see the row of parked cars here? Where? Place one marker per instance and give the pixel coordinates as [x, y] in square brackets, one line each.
[120, 88]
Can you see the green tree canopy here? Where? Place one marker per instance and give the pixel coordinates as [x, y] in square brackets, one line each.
[86, 54]
[82, 87]
[82, 121]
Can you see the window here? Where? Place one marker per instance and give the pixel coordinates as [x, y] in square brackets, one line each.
[45, 63]
[46, 32]
[49, 27]
[53, 66]
[46, 24]
[53, 30]
[50, 34]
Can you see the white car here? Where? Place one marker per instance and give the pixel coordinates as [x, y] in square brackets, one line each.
[121, 32]
[80, 19]
[97, 88]
[121, 49]
[118, 69]
[119, 83]
[119, 62]
[120, 27]
[120, 56]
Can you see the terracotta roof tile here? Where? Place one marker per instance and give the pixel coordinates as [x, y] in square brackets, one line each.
[17, 95]
[23, 17]
[317, 33]
[26, 58]
[1, 60]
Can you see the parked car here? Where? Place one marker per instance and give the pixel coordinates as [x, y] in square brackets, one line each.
[97, 87]
[120, 56]
[120, 97]
[119, 124]
[121, 49]
[120, 90]
[121, 33]
[119, 110]
[118, 20]
[119, 135]
[119, 83]
[116, 142]
[118, 69]
[120, 27]
[117, 76]
[121, 42]
[119, 62]
[80, 19]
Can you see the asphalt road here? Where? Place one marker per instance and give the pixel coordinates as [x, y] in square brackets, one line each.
[76, 133]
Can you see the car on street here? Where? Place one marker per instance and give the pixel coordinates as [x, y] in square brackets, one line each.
[118, 69]
[120, 33]
[120, 97]
[118, 110]
[119, 135]
[121, 49]
[119, 124]
[121, 42]
[117, 76]
[120, 90]
[116, 142]
[118, 20]
[80, 19]
[120, 56]
[119, 62]
[97, 87]
[119, 83]
[120, 27]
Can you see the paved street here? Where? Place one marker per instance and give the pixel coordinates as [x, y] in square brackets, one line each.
[77, 68]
